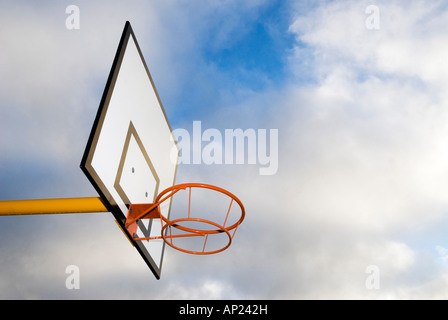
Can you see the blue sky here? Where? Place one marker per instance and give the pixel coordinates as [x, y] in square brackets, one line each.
[255, 58]
[362, 124]
[245, 54]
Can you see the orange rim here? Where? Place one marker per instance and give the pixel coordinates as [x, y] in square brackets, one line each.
[169, 192]
[204, 233]
[184, 186]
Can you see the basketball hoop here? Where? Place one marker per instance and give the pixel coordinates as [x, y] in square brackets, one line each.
[152, 211]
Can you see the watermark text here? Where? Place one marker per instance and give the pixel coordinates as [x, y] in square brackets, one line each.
[233, 146]
[373, 278]
[72, 22]
[72, 282]
[373, 18]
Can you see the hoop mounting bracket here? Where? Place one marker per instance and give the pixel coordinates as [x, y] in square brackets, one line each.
[140, 211]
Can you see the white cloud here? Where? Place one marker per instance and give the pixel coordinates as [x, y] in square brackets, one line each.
[376, 146]
[362, 163]
[411, 41]
[366, 156]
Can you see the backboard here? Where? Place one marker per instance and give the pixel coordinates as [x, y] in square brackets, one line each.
[131, 154]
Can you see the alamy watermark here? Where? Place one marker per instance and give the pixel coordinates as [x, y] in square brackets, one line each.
[373, 278]
[72, 22]
[373, 18]
[231, 146]
[72, 282]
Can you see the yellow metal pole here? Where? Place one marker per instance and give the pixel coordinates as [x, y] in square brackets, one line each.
[51, 206]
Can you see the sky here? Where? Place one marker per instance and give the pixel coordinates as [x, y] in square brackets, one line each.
[357, 207]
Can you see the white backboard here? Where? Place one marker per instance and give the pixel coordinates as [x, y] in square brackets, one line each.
[129, 155]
